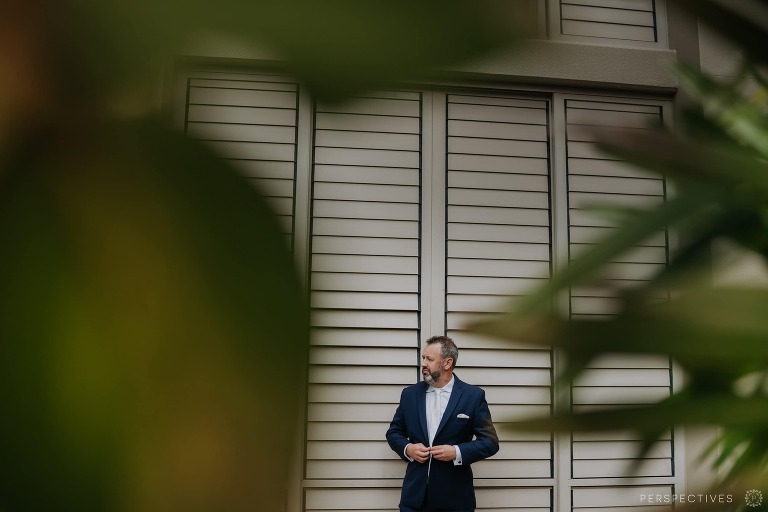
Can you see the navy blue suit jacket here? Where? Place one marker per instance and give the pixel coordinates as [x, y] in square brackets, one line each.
[450, 486]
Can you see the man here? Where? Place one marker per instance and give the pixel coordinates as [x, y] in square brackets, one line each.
[433, 430]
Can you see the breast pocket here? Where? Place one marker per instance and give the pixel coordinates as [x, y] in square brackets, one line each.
[463, 423]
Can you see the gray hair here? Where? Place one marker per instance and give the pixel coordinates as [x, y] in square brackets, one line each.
[447, 348]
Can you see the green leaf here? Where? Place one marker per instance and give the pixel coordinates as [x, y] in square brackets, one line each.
[726, 171]
[650, 420]
[335, 47]
[738, 116]
[689, 327]
[154, 334]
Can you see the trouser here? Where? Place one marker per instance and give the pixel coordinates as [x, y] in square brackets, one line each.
[426, 507]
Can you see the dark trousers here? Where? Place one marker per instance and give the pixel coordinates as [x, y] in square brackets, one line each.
[430, 509]
[425, 507]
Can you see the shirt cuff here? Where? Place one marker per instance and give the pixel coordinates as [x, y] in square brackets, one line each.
[457, 460]
[405, 454]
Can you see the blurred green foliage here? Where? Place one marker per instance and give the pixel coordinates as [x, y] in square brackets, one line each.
[153, 331]
[717, 157]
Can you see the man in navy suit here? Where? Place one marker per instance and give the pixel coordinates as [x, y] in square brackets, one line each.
[433, 430]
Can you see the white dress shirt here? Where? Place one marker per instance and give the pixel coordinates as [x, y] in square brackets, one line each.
[445, 393]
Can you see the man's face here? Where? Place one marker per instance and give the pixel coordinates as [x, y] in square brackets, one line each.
[432, 363]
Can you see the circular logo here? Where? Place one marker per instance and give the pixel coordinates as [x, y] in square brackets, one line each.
[753, 498]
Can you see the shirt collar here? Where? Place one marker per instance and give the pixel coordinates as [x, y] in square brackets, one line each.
[445, 389]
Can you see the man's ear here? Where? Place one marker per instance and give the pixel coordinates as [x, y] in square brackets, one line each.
[447, 363]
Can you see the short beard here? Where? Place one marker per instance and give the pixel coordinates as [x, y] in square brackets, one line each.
[434, 376]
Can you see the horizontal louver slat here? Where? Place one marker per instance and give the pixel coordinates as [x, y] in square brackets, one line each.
[366, 263]
[367, 123]
[241, 115]
[318, 469]
[490, 163]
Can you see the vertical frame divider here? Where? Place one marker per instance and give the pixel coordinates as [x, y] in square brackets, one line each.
[553, 20]
[433, 214]
[302, 233]
[303, 183]
[662, 24]
[560, 257]
[543, 19]
[425, 226]
[680, 440]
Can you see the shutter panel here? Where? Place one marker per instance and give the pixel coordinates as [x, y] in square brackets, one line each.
[631, 20]
[250, 120]
[498, 244]
[613, 381]
[364, 292]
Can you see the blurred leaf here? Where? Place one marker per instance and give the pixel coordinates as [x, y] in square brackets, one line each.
[154, 337]
[703, 168]
[653, 419]
[334, 46]
[741, 118]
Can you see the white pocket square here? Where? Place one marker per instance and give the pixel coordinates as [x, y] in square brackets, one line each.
[463, 416]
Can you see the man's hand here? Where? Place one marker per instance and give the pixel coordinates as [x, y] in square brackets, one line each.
[444, 452]
[418, 452]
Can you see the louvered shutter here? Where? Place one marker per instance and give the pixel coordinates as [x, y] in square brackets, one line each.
[366, 244]
[365, 290]
[594, 178]
[498, 244]
[630, 20]
[250, 119]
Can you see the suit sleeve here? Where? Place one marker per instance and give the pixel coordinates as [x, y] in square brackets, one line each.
[486, 442]
[397, 434]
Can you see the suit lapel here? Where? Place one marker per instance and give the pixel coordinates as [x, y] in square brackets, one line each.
[452, 402]
[421, 405]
